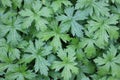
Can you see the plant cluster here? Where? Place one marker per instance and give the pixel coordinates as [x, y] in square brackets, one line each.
[59, 40]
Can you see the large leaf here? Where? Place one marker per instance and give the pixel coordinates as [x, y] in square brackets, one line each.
[109, 62]
[38, 52]
[36, 13]
[67, 63]
[104, 29]
[69, 21]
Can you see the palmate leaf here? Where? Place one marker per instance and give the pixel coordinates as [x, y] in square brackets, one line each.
[59, 39]
[13, 51]
[38, 52]
[57, 4]
[109, 63]
[55, 33]
[8, 55]
[20, 73]
[93, 7]
[88, 44]
[104, 29]
[10, 3]
[67, 63]
[10, 26]
[6, 61]
[69, 21]
[36, 13]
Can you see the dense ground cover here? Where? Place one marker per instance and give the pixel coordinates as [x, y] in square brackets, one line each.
[59, 40]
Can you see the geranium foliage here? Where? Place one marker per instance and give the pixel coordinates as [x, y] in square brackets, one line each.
[59, 39]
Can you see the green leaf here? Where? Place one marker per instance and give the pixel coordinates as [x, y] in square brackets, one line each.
[38, 52]
[20, 73]
[6, 60]
[93, 7]
[109, 63]
[28, 4]
[7, 48]
[89, 45]
[116, 10]
[81, 76]
[17, 3]
[56, 34]
[57, 4]
[36, 13]
[104, 29]
[10, 27]
[6, 3]
[67, 62]
[59, 40]
[69, 21]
